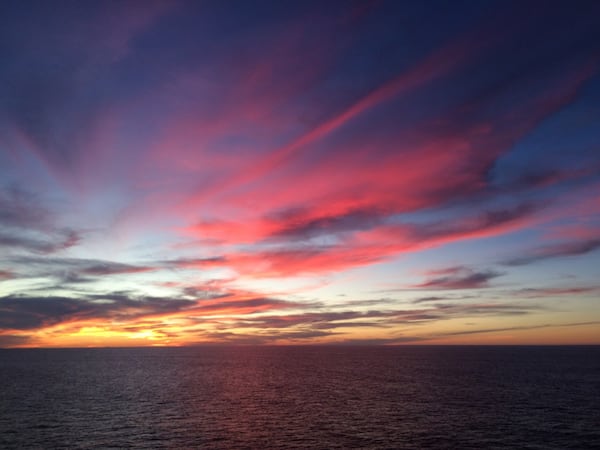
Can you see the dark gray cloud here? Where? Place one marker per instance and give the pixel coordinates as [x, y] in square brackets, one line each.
[101, 268]
[459, 278]
[228, 337]
[75, 270]
[516, 328]
[438, 298]
[485, 221]
[330, 325]
[485, 309]
[574, 248]
[555, 291]
[382, 341]
[13, 340]
[302, 334]
[313, 319]
[381, 318]
[27, 225]
[28, 312]
[20, 209]
[23, 312]
[49, 243]
[294, 226]
[194, 262]
[205, 291]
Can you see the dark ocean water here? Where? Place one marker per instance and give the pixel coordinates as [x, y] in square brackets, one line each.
[301, 397]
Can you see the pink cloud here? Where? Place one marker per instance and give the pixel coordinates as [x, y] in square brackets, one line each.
[428, 171]
[6, 275]
[366, 247]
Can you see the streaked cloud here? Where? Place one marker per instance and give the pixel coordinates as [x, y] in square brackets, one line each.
[177, 173]
[458, 278]
[573, 248]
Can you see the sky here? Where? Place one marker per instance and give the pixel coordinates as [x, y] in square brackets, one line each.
[266, 172]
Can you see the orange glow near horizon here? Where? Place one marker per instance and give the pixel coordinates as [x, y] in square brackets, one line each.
[175, 331]
[177, 175]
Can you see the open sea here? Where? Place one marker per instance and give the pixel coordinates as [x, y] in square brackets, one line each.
[301, 397]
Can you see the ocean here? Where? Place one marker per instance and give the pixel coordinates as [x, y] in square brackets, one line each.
[323, 397]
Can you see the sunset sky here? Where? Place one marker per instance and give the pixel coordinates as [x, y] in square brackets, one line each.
[401, 172]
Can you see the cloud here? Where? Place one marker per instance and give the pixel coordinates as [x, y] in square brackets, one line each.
[438, 298]
[556, 291]
[42, 244]
[6, 275]
[488, 221]
[26, 224]
[380, 341]
[77, 270]
[102, 268]
[437, 168]
[55, 86]
[435, 65]
[227, 305]
[294, 226]
[14, 340]
[299, 335]
[382, 318]
[317, 319]
[486, 309]
[459, 278]
[21, 209]
[341, 196]
[284, 143]
[228, 337]
[336, 325]
[532, 178]
[364, 247]
[573, 248]
[515, 328]
[25, 312]
[289, 262]
[232, 316]
[28, 313]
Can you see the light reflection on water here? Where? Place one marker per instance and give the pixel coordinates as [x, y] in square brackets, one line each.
[301, 397]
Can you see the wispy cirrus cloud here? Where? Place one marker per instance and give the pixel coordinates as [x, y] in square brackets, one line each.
[367, 218]
[564, 249]
[517, 328]
[557, 291]
[21, 209]
[42, 243]
[55, 109]
[364, 247]
[242, 167]
[75, 270]
[458, 277]
[439, 298]
[374, 318]
[26, 224]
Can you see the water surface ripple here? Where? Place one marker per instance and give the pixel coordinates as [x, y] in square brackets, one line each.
[301, 397]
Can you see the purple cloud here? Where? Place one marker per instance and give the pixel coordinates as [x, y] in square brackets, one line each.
[573, 248]
[459, 278]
